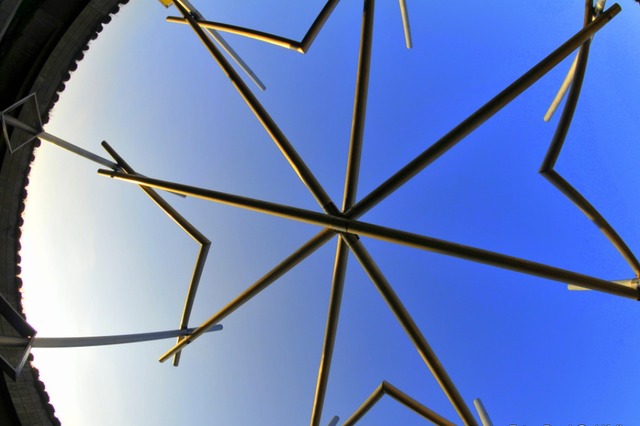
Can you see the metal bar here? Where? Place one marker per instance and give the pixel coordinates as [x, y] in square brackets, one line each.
[375, 396]
[238, 60]
[590, 14]
[572, 100]
[299, 46]
[346, 225]
[294, 159]
[387, 388]
[318, 193]
[241, 31]
[562, 91]
[334, 421]
[75, 342]
[411, 403]
[76, 150]
[405, 23]
[547, 167]
[223, 43]
[15, 319]
[328, 344]
[191, 230]
[481, 115]
[594, 215]
[317, 25]
[410, 327]
[264, 282]
[263, 116]
[186, 4]
[359, 107]
[350, 189]
[191, 293]
[60, 142]
[482, 412]
[182, 222]
[599, 7]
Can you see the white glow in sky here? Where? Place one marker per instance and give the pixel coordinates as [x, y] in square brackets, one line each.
[100, 258]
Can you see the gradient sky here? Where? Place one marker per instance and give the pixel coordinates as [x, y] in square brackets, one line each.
[100, 258]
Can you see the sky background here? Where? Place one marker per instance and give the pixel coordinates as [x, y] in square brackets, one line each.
[100, 258]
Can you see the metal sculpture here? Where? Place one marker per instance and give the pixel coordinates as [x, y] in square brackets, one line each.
[343, 222]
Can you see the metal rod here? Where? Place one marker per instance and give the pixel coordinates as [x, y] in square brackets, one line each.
[375, 396]
[75, 342]
[482, 412]
[405, 23]
[15, 319]
[59, 142]
[264, 282]
[317, 25]
[191, 293]
[562, 91]
[245, 32]
[359, 107]
[281, 141]
[388, 389]
[328, 344]
[410, 327]
[411, 403]
[547, 167]
[350, 189]
[590, 14]
[186, 226]
[294, 159]
[318, 193]
[572, 101]
[299, 46]
[594, 215]
[193, 12]
[334, 421]
[481, 115]
[597, 10]
[263, 116]
[346, 225]
[238, 60]
[180, 220]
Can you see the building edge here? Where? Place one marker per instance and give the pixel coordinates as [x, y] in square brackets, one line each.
[41, 43]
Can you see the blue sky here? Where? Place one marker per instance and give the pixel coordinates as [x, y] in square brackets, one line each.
[100, 258]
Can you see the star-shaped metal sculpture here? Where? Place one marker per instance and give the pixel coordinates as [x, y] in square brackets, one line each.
[343, 222]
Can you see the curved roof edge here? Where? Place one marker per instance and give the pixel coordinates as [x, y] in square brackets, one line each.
[41, 43]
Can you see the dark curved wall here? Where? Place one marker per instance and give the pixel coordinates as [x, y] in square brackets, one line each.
[41, 42]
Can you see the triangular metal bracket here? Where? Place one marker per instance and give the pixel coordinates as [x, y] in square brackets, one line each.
[24, 329]
[27, 107]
